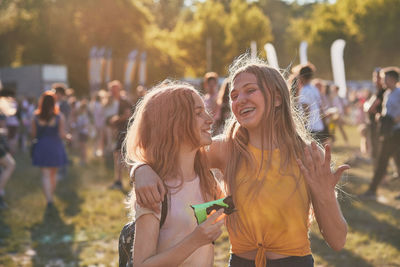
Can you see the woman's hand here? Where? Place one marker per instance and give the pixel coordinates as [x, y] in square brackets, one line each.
[209, 230]
[317, 170]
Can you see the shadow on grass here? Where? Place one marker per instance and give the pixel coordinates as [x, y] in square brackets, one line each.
[67, 190]
[343, 258]
[53, 240]
[363, 221]
[5, 231]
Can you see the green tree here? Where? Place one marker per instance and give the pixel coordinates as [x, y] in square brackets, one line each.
[165, 12]
[279, 13]
[368, 26]
[246, 23]
[162, 52]
[62, 32]
[192, 32]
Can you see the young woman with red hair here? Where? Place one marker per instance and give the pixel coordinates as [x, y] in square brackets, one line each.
[168, 132]
[48, 152]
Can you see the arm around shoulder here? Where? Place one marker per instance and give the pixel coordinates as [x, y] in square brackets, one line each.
[149, 188]
[216, 153]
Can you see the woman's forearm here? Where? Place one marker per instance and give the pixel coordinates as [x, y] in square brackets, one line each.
[173, 256]
[330, 220]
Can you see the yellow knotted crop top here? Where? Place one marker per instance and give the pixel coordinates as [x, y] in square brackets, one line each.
[277, 219]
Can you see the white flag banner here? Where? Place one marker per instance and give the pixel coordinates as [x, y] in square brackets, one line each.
[339, 77]
[303, 53]
[253, 49]
[108, 66]
[99, 61]
[130, 69]
[271, 55]
[91, 67]
[142, 69]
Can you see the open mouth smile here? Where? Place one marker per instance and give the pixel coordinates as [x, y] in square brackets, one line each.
[246, 111]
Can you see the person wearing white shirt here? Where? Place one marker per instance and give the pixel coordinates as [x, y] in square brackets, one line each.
[310, 103]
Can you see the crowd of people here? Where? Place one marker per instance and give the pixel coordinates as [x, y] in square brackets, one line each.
[267, 141]
[59, 122]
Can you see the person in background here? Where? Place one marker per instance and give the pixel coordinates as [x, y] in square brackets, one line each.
[25, 119]
[223, 109]
[7, 162]
[48, 153]
[13, 122]
[140, 92]
[118, 122]
[374, 108]
[83, 128]
[322, 89]
[61, 99]
[210, 85]
[310, 103]
[390, 129]
[340, 104]
[60, 91]
[99, 120]
[74, 104]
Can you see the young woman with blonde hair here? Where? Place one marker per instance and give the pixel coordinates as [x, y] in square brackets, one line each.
[273, 170]
[168, 132]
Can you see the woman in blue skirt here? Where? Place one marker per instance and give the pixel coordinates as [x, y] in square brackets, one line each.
[48, 152]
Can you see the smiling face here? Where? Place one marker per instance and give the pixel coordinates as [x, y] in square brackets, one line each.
[203, 121]
[247, 100]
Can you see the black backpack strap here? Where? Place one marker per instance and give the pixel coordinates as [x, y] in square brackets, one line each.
[164, 210]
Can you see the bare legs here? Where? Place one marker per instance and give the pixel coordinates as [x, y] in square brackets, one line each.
[8, 164]
[49, 182]
[83, 153]
[118, 168]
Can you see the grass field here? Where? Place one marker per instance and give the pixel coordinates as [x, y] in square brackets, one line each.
[84, 228]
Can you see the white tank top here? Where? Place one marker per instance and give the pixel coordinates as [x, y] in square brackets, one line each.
[180, 222]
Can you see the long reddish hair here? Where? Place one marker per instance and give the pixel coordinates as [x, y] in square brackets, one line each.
[47, 107]
[164, 119]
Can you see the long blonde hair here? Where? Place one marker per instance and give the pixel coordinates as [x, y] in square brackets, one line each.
[163, 120]
[281, 124]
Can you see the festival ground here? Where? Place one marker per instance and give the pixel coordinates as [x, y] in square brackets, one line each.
[83, 229]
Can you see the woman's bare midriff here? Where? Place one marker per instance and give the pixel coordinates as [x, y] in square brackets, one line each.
[251, 255]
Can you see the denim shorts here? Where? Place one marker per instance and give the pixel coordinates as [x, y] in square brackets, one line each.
[292, 261]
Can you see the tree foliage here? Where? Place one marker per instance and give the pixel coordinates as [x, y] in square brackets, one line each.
[369, 27]
[246, 23]
[175, 33]
[191, 35]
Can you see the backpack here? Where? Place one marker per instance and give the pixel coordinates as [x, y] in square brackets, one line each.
[127, 235]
